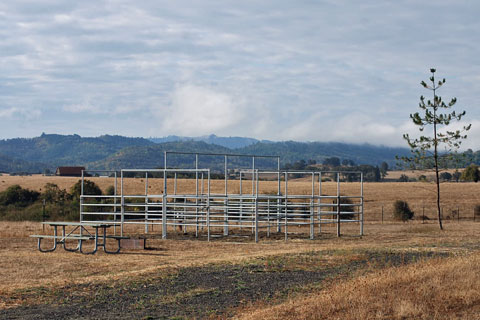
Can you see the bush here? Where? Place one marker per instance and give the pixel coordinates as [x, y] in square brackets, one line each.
[89, 188]
[402, 211]
[17, 196]
[476, 210]
[403, 178]
[447, 176]
[110, 191]
[351, 209]
[471, 173]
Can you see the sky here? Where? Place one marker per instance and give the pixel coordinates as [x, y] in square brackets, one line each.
[305, 70]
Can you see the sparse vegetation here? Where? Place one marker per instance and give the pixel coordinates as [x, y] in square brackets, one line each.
[471, 173]
[402, 211]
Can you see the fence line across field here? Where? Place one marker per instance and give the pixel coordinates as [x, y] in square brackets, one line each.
[220, 213]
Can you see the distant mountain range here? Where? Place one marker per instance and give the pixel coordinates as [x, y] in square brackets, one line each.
[228, 142]
[116, 152]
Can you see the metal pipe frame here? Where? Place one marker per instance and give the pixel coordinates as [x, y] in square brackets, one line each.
[219, 213]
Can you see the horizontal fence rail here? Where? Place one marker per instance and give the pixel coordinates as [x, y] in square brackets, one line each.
[217, 214]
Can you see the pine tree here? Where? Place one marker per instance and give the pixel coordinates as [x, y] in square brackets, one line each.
[425, 148]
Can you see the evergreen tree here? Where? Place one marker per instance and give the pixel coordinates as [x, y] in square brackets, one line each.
[426, 147]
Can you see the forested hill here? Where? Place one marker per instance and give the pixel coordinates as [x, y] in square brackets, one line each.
[56, 150]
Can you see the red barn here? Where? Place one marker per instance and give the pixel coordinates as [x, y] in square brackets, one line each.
[69, 171]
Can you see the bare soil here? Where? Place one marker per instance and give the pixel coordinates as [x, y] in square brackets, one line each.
[208, 291]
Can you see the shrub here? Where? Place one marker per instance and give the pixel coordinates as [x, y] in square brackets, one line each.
[422, 178]
[402, 211]
[344, 209]
[89, 188]
[447, 176]
[476, 210]
[471, 173]
[403, 178]
[53, 194]
[110, 191]
[17, 196]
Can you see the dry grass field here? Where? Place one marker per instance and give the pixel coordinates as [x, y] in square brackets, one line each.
[420, 195]
[396, 271]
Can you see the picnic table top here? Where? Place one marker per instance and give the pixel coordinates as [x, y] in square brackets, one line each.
[82, 224]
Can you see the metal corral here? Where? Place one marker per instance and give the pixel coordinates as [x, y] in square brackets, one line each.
[218, 214]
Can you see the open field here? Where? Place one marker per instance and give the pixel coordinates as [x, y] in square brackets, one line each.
[420, 195]
[396, 271]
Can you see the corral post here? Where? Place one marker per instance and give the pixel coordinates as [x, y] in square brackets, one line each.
[279, 228]
[253, 174]
[208, 204]
[286, 205]
[268, 217]
[320, 203]
[225, 228]
[338, 204]
[164, 203]
[362, 207]
[241, 200]
[122, 204]
[458, 214]
[196, 195]
[256, 207]
[146, 202]
[312, 230]
[44, 215]
[115, 204]
[423, 213]
[382, 214]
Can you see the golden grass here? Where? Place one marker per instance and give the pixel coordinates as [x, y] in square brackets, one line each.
[420, 195]
[437, 289]
[24, 267]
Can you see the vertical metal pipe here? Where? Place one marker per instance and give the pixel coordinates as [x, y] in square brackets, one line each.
[278, 195]
[165, 159]
[83, 180]
[320, 203]
[338, 205]
[312, 211]
[241, 199]
[362, 204]
[225, 203]
[175, 184]
[253, 174]
[115, 205]
[286, 205]
[146, 202]
[122, 204]
[196, 195]
[268, 217]
[208, 204]
[256, 208]
[164, 205]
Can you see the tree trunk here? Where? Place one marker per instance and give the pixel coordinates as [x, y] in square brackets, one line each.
[435, 156]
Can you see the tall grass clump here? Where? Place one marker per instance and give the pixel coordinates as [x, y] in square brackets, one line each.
[402, 211]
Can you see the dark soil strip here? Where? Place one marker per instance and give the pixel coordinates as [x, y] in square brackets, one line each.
[200, 292]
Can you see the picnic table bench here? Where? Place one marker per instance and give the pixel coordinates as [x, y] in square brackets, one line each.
[80, 233]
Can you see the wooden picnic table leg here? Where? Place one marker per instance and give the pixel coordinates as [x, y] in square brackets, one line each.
[54, 242]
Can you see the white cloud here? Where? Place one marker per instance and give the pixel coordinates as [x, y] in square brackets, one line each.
[248, 68]
[196, 110]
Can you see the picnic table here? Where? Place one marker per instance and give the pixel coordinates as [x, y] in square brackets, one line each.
[80, 233]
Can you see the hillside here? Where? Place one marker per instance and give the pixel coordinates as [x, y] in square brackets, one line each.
[116, 152]
[56, 150]
[228, 142]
